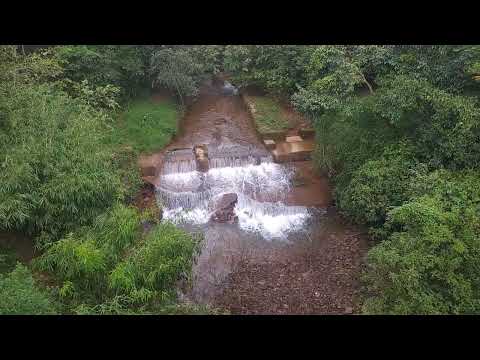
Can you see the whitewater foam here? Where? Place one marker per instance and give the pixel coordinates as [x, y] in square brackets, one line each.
[186, 197]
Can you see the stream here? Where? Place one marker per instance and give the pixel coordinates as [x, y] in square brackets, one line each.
[279, 234]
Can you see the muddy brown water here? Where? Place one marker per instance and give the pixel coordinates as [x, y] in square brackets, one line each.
[293, 256]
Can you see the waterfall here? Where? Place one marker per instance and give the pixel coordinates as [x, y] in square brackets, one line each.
[174, 167]
[260, 184]
[179, 161]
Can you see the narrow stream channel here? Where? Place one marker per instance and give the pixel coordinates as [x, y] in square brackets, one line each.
[267, 230]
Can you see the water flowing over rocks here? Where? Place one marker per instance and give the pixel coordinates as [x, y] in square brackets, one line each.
[224, 208]
[218, 178]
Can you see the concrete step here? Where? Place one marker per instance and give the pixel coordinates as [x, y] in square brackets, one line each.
[293, 151]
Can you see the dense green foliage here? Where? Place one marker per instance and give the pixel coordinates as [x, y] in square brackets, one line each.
[68, 164]
[430, 262]
[22, 296]
[277, 68]
[156, 265]
[182, 68]
[56, 171]
[105, 66]
[398, 130]
[113, 263]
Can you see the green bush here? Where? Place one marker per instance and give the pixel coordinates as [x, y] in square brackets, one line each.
[377, 186]
[78, 260]
[56, 172]
[112, 265]
[165, 256]
[20, 295]
[121, 66]
[117, 230]
[276, 68]
[8, 259]
[430, 263]
[85, 257]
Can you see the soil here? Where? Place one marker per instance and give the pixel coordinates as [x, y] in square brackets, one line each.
[319, 277]
[145, 198]
[161, 95]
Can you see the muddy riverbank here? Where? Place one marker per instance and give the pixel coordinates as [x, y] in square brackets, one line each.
[317, 273]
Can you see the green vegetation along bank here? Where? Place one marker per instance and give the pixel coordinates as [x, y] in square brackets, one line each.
[398, 131]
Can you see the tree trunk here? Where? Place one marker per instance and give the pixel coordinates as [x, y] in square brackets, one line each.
[367, 83]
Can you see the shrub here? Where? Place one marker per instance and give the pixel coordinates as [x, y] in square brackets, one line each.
[164, 258]
[120, 66]
[20, 295]
[430, 262]
[116, 230]
[86, 256]
[277, 68]
[80, 261]
[377, 186]
[56, 171]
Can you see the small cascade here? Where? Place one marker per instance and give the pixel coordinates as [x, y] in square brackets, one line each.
[179, 161]
[184, 200]
[174, 167]
[260, 184]
[237, 156]
[272, 220]
[233, 161]
[229, 89]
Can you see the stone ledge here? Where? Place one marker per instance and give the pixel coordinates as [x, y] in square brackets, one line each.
[270, 144]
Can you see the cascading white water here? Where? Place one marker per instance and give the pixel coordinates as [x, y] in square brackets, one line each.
[186, 196]
[184, 166]
[232, 161]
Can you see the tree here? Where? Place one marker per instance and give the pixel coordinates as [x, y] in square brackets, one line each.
[177, 71]
[430, 263]
[334, 73]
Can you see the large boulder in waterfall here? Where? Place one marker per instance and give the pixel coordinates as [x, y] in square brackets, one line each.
[224, 207]
[201, 157]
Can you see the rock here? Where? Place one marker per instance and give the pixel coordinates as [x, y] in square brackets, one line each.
[224, 208]
[293, 139]
[201, 157]
[270, 144]
[348, 310]
[229, 89]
